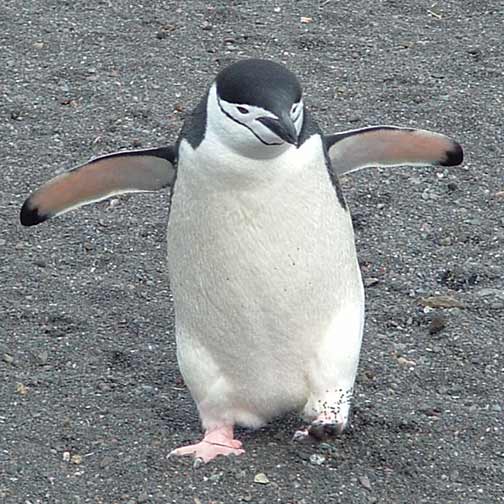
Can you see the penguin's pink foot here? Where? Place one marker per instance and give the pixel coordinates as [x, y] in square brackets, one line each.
[216, 442]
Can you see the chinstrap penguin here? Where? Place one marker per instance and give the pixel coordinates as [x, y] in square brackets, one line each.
[268, 297]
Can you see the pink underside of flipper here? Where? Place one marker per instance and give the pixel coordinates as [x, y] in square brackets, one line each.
[219, 441]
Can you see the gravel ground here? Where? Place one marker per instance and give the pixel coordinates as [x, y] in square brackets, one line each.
[91, 400]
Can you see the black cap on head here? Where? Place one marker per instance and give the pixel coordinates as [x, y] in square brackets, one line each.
[259, 82]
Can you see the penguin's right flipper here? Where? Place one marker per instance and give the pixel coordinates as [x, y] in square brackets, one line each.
[100, 178]
[390, 146]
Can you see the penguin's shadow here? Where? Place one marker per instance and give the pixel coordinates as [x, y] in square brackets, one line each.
[180, 419]
[280, 429]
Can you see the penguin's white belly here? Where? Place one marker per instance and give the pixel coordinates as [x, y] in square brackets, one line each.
[259, 273]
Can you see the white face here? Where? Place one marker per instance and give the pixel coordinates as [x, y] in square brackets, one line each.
[238, 126]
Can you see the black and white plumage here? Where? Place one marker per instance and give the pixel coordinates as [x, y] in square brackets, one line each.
[269, 302]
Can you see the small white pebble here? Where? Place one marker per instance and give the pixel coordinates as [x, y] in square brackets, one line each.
[317, 459]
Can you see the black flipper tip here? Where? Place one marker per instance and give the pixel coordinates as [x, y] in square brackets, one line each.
[30, 216]
[454, 157]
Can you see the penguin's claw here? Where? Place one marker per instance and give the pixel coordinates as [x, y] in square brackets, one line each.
[323, 431]
[320, 430]
[301, 435]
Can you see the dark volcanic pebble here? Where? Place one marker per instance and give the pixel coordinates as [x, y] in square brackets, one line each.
[437, 324]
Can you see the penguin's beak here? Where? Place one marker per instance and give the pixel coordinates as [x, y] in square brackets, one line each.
[283, 128]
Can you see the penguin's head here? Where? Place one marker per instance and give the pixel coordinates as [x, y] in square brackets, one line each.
[256, 108]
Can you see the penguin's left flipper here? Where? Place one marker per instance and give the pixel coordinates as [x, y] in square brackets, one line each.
[100, 178]
[390, 146]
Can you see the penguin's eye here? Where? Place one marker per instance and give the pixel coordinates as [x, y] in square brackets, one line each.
[242, 110]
